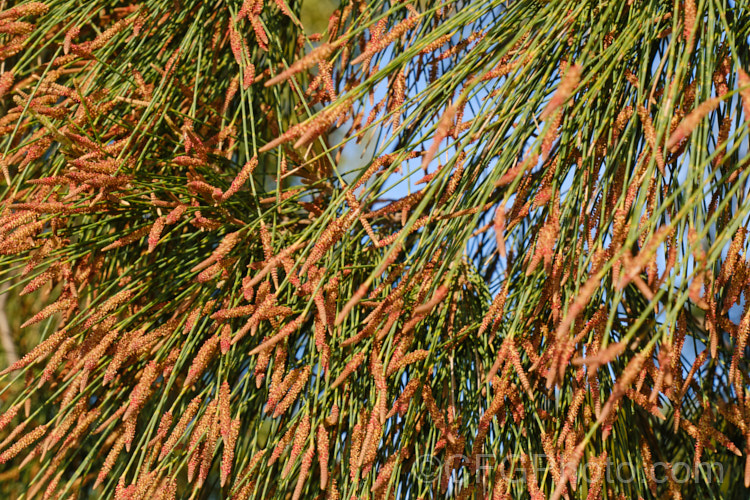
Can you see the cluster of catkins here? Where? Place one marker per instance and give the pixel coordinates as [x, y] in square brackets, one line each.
[229, 303]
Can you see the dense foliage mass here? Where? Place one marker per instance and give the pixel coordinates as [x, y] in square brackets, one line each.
[264, 263]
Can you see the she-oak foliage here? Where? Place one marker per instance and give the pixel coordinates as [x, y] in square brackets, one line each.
[542, 251]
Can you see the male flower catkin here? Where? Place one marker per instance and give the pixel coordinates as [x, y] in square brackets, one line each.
[201, 360]
[230, 439]
[300, 437]
[179, 429]
[242, 177]
[22, 443]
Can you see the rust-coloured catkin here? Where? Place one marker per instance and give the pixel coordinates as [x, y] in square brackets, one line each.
[179, 429]
[381, 42]
[122, 352]
[61, 430]
[729, 268]
[444, 127]
[328, 238]
[279, 383]
[373, 433]
[355, 448]
[39, 281]
[234, 312]
[61, 304]
[648, 467]
[209, 447]
[259, 314]
[265, 238]
[214, 271]
[40, 351]
[690, 14]
[401, 404]
[530, 476]
[239, 478]
[145, 483]
[6, 82]
[545, 245]
[407, 359]
[201, 360]
[690, 122]
[385, 473]
[22, 443]
[242, 177]
[300, 438]
[201, 432]
[499, 226]
[273, 263]
[741, 341]
[307, 460]
[225, 338]
[578, 397]
[108, 306]
[112, 418]
[248, 76]
[282, 444]
[225, 417]
[515, 359]
[333, 416]
[52, 486]
[744, 81]
[29, 9]
[294, 392]
[9, 415]
[629, 374]
[130, 238]
[161, 432]
[432, 407]
[166, 489]
[142, 390]
[130, 428]
[568, 84]
[598, 468]
[699, 360]
[261, 365]
[650, 133]
[285, 331]
[222, 250]
[103, 38]
[14, 434]
[494, 315]
[110, 460]
[641, 400]
[94, 356]
[437, 298]
[123, 492]
[350, 367]
[323, 445]
[316, 55]
[231, 92]
[155, 233]
[230, 440]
